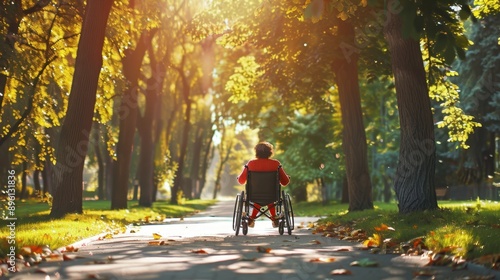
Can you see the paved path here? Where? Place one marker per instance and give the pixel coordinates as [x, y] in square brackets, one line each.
[204, 247]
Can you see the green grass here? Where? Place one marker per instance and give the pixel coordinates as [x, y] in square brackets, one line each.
[468, 228]
[34, 227]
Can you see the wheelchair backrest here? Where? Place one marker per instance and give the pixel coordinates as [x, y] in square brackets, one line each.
[263, 187]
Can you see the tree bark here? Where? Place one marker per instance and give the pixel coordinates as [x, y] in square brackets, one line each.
[74, 136]
[36, 182]
[46, 178]
[196, 162]
[205, 163]
[354, 137]
[179, 174]
[101, 166]
[128, 120]
[146, 160]
[414, 181]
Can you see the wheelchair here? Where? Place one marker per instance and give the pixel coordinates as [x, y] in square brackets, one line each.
[262, 192]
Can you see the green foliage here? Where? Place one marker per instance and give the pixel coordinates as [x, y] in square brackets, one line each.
[479, 75]
[458, 124]
[483, 8]
[40, 75]
[240, 83]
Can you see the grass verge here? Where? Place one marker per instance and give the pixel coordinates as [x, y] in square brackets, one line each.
[34, 227]
[468, 229]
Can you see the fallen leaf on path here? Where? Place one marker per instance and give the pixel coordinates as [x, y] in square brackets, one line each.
[356, 232]
[156, 243]
[261, 249]
[200, 251]
[373, 241]
[366, 262]
[68, 258]
[315, 242]
[384, 227]
[31, 250]
[71, 249]
[53, 258]
[156, 236]
[322, 260]
[341, 271]
[439, 259]
[107, 236]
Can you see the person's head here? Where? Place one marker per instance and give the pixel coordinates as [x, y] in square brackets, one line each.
[264, 150]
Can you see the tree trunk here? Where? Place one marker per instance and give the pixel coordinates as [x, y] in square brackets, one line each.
[224, 153]
[24, 186]
[146, 160]
[100, 163]
[74, 136]
[36, 182]
[128, 119]
[206, 158]
[196, 162]
[354, 137]
[179, 174]
[146, 153]
[46, 178]
[414, 181]
[345, 190]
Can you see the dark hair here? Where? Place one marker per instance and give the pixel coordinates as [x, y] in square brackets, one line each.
[264, 150]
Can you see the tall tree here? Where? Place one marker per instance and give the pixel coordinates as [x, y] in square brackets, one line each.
[128, 119]
[414, 182]
[74, 136]
[147, 130]
[354, 137]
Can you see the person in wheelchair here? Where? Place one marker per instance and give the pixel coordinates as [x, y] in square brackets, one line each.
[263, 162]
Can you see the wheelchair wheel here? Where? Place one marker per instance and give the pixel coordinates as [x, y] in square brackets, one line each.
[289, 218]
[238, 209]
[281, 227]
[244, 227]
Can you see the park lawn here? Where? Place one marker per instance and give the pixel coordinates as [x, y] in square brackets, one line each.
[469, 229]
[34, 227]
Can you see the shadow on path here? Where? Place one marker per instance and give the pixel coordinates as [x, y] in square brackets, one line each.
[204, 247]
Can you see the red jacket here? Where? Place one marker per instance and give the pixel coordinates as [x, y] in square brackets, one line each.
[264, 164]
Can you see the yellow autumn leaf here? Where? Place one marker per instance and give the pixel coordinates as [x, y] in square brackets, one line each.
[156, 236]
